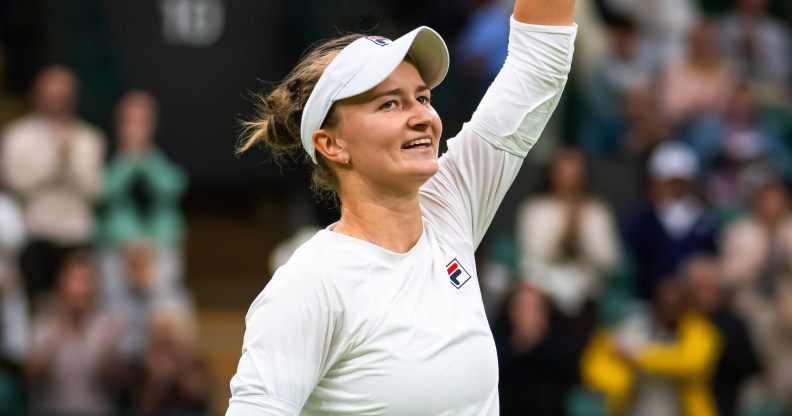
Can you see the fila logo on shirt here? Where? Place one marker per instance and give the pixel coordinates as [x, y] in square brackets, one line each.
[458, 275]
[379, 40]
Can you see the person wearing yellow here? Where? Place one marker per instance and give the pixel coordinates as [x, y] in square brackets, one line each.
[658, 364]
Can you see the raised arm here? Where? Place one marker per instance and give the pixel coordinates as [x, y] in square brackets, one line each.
[484, 158]
[544, 12]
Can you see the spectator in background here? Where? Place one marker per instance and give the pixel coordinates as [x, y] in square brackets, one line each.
[736, 143]
[703, 285]
[52, 161]
[621, 72]
[482, 47]
[74, 360]
[663, 24]
[568, 239]
[772, 327]
[648, 127]
[137, 299]
[13, 306]
[173, 378]
[760, 45]
[656, 362]
[673, 223]
[757, 250]
[538, 361]
[700, 84]
[142, 229]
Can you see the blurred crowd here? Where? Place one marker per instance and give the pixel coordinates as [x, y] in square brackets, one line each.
[678, 304]
[681, 302]
[94, 316]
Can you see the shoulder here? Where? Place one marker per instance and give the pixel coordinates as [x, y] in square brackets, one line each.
[303, 279]
[596, 206]
[22, 127]
[88, 132]
[538, 202]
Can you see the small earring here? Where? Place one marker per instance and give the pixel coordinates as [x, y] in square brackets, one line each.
[346, 159]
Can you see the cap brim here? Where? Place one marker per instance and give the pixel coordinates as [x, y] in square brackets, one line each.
[424, 46]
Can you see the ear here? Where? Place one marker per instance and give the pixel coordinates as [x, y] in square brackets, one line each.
[329, 146]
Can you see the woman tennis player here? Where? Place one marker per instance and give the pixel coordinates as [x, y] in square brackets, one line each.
[381, 312]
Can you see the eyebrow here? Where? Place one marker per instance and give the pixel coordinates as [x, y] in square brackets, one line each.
[397, 92]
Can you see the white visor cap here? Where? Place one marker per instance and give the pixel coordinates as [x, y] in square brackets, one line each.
[363, 64]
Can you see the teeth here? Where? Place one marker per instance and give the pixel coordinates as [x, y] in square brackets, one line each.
[419, 142]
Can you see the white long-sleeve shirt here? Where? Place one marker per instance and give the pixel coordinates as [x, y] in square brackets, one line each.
[349, 328]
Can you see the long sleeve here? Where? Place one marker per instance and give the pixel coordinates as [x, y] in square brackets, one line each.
[290, 343]
[167, 180]
[484, 158]
[86, 162]
[693, 357]
[118, 178]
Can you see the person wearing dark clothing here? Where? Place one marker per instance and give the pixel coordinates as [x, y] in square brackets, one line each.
[673, 224]
[538, 359]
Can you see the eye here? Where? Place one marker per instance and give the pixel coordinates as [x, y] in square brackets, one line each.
[425, 100]
[390, 104]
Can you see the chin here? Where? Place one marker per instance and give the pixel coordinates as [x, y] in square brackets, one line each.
[427, 168]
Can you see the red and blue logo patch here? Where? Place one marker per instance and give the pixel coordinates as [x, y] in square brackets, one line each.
[379, 40]
[457, 274]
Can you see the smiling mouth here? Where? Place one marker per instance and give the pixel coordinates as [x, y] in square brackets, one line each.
[418, 143]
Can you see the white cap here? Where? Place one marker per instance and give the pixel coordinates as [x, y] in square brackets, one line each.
[363, 64]
[673, 160]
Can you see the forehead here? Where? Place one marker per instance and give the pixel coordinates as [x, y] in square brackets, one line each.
[405, 78]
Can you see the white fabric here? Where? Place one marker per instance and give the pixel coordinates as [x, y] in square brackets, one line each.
[12, 236]
[57, 175]
[13, 303]
[362, 65]
[678, 217]
[346, 327]
[541, 224]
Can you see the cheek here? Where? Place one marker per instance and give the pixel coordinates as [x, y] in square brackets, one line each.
[437, 124]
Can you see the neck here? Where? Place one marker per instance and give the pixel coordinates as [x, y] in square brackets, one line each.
[393, 223]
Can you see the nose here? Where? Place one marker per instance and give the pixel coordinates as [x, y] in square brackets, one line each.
[421, 116]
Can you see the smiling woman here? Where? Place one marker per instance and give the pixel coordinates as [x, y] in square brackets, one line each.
[381, 313]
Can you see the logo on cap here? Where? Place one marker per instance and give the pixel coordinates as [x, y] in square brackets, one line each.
[379, 40]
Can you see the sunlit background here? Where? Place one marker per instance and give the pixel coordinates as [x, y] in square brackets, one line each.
[641, 263]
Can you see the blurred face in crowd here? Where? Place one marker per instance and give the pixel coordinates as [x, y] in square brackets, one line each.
[139, 266]
[76, 286]
[623, 39]
[668, 303]
[136, 122]
[704, 41]
[568, 172]
[55, 92]
[703, 285]
[772, 203]
[672, 189]
[172, 332]
[528, 314]
[752, 7]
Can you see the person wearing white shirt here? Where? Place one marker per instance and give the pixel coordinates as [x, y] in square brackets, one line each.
[381, 312]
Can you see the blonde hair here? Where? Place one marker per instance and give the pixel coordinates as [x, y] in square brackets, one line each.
[277, 123]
